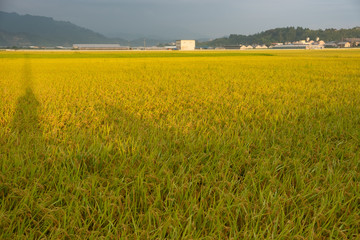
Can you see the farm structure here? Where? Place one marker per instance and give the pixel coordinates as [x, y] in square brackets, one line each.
[344, 45]
[260, 46]
[238, 47]
[99, 47]
[355, 42]
[298, 46]
[331, 45]
[185, 45]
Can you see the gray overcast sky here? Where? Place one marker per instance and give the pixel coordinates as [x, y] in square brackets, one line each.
[208, 18]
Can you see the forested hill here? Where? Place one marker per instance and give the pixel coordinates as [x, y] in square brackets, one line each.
[288, 34]
[22, 30]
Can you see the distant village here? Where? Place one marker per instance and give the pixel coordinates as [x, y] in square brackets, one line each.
[302, 44]
[189, 45]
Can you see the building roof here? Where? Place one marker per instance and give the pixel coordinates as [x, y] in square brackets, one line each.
[291, 46]
[352, 39]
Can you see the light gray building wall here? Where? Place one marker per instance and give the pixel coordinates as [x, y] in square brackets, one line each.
[99, 47]
[186, 45]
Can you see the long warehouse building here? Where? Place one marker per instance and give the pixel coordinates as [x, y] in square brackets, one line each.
[99, 47]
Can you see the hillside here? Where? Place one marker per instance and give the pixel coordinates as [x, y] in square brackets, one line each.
[288, 34]
[26, 30]
[20, 30]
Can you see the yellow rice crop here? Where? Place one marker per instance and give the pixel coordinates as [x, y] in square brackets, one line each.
[215, 145]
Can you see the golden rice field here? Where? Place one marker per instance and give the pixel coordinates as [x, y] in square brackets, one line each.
[180, 145]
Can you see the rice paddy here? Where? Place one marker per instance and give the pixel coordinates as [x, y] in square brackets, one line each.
[180, 145]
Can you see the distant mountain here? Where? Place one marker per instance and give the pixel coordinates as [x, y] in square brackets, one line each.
[25, 30]
[288, 34]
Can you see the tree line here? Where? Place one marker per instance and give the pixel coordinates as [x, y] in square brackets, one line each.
[287, 34]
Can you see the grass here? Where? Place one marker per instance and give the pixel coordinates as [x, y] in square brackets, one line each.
[229, 145]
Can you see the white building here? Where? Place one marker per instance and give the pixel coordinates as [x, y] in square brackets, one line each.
[186, 45]
[261, 47]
